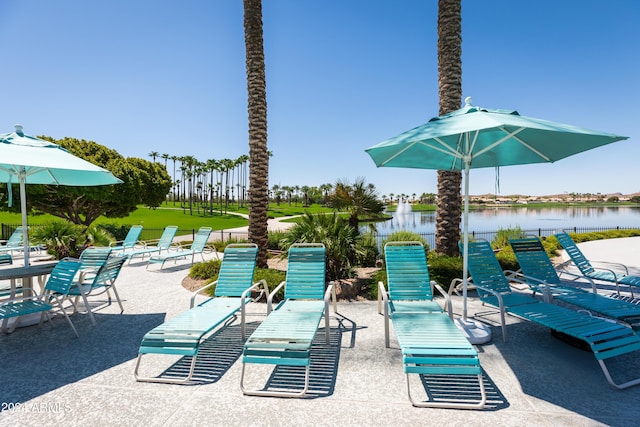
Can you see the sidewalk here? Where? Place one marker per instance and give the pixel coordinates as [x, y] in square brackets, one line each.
[49, 376]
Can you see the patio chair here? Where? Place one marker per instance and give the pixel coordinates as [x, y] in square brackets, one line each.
[606, 271]
[539, 273]
[93, 283]
[183, 334]
[57, 287]
[163, 244]
[196, 248]
[14, 243]
[606, 339]
[130, 241]
[286, 335]
[430, 342]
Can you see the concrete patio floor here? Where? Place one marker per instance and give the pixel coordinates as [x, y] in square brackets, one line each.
[49, 376]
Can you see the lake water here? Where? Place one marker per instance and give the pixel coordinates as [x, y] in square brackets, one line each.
[543, 221]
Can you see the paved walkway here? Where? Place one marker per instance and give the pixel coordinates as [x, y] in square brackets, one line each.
[49, 376]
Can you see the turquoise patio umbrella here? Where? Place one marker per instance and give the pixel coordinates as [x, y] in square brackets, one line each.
[25, 159]
[474, 137]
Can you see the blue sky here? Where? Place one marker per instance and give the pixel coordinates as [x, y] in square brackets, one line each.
[342, 75]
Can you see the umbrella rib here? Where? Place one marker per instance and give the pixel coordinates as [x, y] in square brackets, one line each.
[547, 159]
[501, 140]
[397, 154]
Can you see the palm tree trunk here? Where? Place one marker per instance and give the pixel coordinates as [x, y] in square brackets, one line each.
[449, 206]
[257, 109]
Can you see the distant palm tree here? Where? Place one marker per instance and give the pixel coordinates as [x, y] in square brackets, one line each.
[449, 208]
[165, 157]
[175, 189]
[153, 155]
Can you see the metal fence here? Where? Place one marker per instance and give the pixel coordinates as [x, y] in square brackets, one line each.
[490, 234]
[430, 238]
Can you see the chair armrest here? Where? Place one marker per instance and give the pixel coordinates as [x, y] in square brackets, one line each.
[195, 293]
[331, 293]
[612, 264]
[256, 286]
[271, 295]
[447, 298]
[383, 297]
[453, 285]
[535, 284]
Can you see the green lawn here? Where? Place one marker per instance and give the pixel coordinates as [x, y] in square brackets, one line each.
[149, 218]
[168, 214]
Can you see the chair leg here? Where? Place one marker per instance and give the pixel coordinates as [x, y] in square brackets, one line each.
[610, 380]
[274, 393]
[115, 292]
[66, 316]
[86, 305]
[165, 380]
[451, 405]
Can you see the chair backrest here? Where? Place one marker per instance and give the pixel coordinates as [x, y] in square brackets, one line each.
[108, 273]
[306, 267]
[237, 269]
[407, 271]
[485, 268]
[132, 236]
[15, 240]
[167, 237]
[61, 277]
[533, 259]
[200, 240]
[575, 253]
[94, 256]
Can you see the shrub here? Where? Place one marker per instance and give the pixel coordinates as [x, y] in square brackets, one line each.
[275, 240]
[339, 238]
[117, 231]
[207, 270]
[368, 253]
[443, 269]
[501, 239]
[62, 238]
[406, 236]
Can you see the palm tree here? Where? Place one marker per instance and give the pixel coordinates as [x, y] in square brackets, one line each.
[165, 157]
[174, 158]
[359, 199]
[449, 208]
[153, 155]
[257, 109]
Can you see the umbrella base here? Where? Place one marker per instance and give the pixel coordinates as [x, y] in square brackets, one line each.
[476, 332]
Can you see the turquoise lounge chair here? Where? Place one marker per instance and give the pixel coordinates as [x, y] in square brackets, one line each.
[57, 287]
[609, 272]
[163, 244]
[430, 342]
[196, 248]
[14, 243]
[92, 283]
[606, 339]
[130, 241]
[286, 335]
[183, 334]
[538, 272]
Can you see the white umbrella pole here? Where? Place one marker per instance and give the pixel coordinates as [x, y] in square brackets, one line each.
[465, 240]
[476, 332]
[23, 209]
